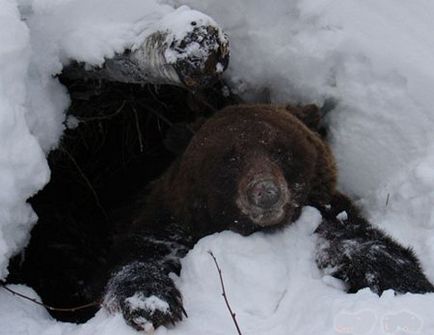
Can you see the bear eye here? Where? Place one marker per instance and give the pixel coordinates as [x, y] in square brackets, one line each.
[232, 157]
[281, 155]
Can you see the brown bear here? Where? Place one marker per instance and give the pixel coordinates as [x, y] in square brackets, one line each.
[248, 168]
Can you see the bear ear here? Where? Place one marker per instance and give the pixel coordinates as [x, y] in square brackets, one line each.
[179, 135]
[310, 115]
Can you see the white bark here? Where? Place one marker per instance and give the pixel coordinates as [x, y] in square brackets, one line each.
[193, 58]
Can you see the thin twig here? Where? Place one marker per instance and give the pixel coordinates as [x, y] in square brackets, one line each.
[157, 114]
[89, 184]
[203, 101]
[139, 132]
[104, 117]
[151, 88]
[51, 308]
[233, 316]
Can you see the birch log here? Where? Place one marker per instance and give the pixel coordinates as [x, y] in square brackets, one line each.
[189, 50]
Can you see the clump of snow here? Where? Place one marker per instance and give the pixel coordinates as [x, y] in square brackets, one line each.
[72, 122]
[342, 216]
[183, 20]
[151, 303]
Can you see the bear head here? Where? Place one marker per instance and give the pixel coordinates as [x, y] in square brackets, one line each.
[248, 168]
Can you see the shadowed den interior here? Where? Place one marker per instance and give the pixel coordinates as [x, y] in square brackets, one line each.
[114, 144]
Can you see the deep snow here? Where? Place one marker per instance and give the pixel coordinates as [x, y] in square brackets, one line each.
[374, 58]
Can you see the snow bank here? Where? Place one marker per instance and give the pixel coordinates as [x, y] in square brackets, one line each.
[88, 31]
[404, 207]
[23, 169]
[374, 58]
[272, 285]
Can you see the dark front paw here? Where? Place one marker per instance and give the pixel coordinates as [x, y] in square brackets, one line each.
[146, 312]
[146, 297]
[379, 264]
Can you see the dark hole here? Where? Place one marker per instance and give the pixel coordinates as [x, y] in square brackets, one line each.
[193, 23]
[97, 172]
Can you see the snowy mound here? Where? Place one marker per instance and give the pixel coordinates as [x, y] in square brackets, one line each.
[272, 284]
[374, 59]
[23, 169]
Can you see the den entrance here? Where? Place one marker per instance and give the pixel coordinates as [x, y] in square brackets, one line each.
[119, 137]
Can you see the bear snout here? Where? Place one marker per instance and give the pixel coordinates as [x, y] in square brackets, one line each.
[264, 194]
[264, 197]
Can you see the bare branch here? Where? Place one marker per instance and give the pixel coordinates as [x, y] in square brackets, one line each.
[87, 181]
[139, 132]
[233, 316]
[51, 308]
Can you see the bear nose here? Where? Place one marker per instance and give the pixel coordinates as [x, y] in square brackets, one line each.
[264, 194]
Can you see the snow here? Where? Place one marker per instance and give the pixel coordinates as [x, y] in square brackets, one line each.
[404, 207]
[102, 28]
[152, 303]
[23, 169]
[373, 58]
[342, 216]
[177, 20]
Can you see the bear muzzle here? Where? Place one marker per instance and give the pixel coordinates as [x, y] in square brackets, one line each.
[264, 194]
[264, 198]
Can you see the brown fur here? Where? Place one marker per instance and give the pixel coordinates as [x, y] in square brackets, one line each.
[200, 189]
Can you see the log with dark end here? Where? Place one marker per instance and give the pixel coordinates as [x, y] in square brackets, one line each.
[195, 59]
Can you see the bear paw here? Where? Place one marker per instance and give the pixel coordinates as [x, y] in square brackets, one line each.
[146, 297]
[148, 312]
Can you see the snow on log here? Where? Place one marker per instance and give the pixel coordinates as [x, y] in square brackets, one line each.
[185, 50]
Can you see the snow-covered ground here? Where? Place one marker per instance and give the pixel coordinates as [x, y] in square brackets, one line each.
[375, 58]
